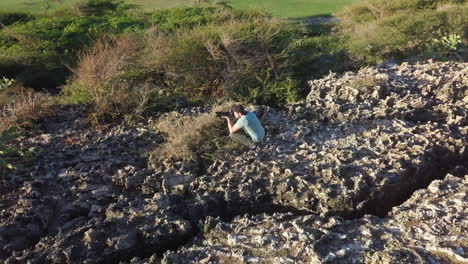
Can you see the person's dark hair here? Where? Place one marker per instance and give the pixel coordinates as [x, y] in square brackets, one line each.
[239, 108]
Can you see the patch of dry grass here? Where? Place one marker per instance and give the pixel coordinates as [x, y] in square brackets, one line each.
[21, 107]
[365, 83]
[187, 136]
[107, 58]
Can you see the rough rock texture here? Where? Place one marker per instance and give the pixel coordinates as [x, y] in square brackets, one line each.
[430, 227]
[351, 160]
[436, 219]
[83, 199]
[418, 92]
[312, 192]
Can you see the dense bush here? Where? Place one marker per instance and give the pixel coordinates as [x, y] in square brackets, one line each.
[234, 59]
[191, 55]
[197, 64]
[104, 77]
[39, 51]
[7, 19]
[379, 29]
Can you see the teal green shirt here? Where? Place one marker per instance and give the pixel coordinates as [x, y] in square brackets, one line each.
[251, 125]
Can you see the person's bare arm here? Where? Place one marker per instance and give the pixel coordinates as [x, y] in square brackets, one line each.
[231, 127]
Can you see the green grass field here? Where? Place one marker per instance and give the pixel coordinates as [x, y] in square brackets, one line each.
[280, 8]
[294, 8]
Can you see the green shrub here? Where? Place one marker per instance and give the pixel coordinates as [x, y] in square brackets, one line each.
[447, 43]
[8, 149]
[74, 93]
[173, 19]
[6, 83]
[39, 52]
[11, 156]
[314, 57]
[169, 20]
[102, 7]
[241, 59]
[377, 30]
[191, 55]
[8, 18]
[64, 35]
[276, 93]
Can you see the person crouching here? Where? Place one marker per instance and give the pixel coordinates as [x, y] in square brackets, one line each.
[252, 130]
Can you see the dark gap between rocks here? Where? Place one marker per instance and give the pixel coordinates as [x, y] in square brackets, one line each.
[216, 208]
[268, 209]
[441, 162]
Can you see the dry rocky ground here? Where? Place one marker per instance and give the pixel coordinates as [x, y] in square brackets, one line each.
[371, 168]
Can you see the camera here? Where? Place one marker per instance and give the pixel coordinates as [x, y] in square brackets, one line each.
[221, 114]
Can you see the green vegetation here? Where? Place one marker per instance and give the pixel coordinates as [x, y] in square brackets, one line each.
[377, 30]
[293, 8]
[36, 52]
[216, 53]
[43, 6]
[278, 8]
[6, 83]
[39, 52]
[8, 149]
[7, 18]
[128, 63]
[447, 43]
[11, 156]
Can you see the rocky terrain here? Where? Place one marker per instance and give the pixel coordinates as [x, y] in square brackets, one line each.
[428, 228]
[371, 168]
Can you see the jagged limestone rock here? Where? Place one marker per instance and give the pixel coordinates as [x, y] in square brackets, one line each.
[428, 228]
[360, 144]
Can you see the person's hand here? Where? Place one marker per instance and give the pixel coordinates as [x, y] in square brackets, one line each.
[225, 117]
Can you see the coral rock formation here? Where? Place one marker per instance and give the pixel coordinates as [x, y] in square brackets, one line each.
[370, 168]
